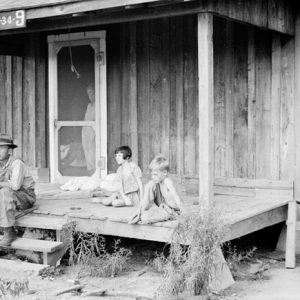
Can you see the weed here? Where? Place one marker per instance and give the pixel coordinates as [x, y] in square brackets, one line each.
[235, 257]
[190, 268]
[158, 263]
[12, 287]
[89, 252]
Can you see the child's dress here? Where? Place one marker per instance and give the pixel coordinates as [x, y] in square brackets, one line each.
[127, 177]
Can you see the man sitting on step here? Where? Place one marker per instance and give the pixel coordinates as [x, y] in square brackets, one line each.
[16, 188]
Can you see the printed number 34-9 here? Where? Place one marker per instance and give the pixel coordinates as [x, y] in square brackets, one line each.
[20, 18]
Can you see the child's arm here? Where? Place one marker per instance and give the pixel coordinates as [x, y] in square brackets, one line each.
[170, 185]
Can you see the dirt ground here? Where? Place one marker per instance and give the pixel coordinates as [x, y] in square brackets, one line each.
[261, 277]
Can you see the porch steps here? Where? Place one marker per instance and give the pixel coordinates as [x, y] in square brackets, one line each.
[35, 245]
[20, 266]
[52, 251]
[41, 222]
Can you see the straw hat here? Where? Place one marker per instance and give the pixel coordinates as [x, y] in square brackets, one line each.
[6, 140]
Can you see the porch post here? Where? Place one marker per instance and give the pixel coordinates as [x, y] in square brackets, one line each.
[291, 237]
[206, 108]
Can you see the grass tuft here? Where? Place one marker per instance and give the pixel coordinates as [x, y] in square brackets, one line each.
[90, 253]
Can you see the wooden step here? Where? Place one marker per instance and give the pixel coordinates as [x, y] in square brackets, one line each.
[35, 245]
[20, 266]
[41, 222]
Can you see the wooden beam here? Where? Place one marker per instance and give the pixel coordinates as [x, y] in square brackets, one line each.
[297, 111]
[80, 6]
[206, 107]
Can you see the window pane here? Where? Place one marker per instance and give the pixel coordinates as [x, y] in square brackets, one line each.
[76, 77]
[76, 151]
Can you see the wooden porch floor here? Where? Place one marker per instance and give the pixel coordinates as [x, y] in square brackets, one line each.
[244, 214]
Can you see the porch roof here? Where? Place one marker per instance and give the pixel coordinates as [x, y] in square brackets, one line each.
[98, 4]
[274, 15]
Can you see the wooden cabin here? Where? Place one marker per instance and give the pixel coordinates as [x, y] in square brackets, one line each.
[213, 85]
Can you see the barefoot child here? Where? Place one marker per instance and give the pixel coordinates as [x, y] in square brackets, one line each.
[161, 201]
[129, 184]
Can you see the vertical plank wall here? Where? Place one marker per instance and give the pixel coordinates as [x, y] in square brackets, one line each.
[23, 112]
[253, 84]
[254, 94]
[152, 94]
[161, 72]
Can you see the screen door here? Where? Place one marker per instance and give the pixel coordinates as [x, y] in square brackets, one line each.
[77, 106]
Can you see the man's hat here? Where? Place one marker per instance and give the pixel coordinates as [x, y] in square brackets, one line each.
[6, 140]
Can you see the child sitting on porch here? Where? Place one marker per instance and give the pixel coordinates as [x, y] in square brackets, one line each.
[128, 182]
[161, 201]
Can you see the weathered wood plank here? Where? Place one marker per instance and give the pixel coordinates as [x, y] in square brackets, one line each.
[206, 107]
[133, 92]
[296, 111]
[125, 84]
[256, 183]
[17, 117]
[41, 105]
[287, 107]
[275, 105]
[176, 94]
[240, 103]
[29, 117]
[165, 88]
[190, 106]
[260, 221]
[229, 50]
[8, 95]
[143, 80]
[263, 101]
[113, 94]
[2, 94]
[156, 86]
[220, 73]
[251, 105]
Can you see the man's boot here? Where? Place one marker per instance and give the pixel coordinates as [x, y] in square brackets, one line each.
[9, 236]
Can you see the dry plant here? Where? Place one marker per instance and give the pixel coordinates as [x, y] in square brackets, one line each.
[190, 268]
[12, 288]
[235, 257]
[89, 252]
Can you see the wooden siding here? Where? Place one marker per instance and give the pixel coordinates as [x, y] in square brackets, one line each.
[163, 78]
[153, 97]
[254, 94]
[23, 102]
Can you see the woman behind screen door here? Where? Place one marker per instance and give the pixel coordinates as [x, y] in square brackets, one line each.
[88, 133]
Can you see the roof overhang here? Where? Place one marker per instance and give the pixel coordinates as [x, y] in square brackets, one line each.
[47, 15]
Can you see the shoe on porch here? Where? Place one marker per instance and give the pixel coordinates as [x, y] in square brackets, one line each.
[8, 237]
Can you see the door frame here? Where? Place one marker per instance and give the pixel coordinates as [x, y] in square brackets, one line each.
[55, 43]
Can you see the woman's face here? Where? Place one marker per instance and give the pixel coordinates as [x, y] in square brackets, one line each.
[91, 94]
